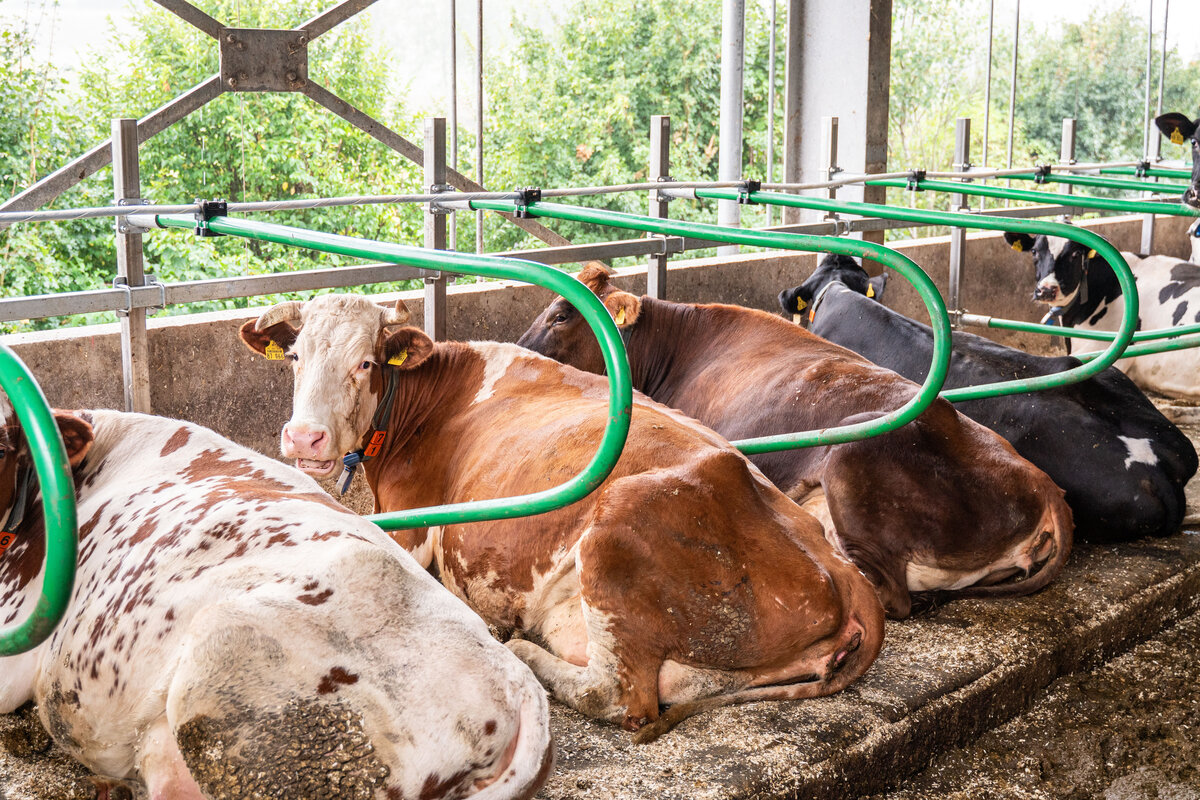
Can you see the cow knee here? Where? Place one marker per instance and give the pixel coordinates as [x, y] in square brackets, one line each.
[593, 690]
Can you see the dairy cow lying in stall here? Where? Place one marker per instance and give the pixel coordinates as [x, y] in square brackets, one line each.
[1082, 291]
[939, 504]
[235, 633]
[1122, 464]
[686, 578]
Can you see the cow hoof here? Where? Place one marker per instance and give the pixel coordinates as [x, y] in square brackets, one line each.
[633, 723]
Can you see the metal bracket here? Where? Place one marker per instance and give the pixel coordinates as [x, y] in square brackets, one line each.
[206, 210]
[152, 280]
[121, 282]
[525, 196]
[1041, 173]
[1143, 168]
[746, 189]
[915, 176]
[123, 224]
[264, 60]
[436, 208]
[841, 227]
[661, 197]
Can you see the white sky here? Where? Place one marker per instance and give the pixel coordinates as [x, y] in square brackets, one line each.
[417, 31]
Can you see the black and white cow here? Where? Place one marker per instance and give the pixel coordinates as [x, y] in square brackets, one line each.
[1122, 464]
[1083, 292]
[1179, 129]
[235, 633]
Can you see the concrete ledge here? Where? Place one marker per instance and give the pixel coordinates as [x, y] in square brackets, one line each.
[942, 679]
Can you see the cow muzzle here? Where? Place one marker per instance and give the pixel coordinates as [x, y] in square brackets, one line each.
[309, 445]
[1046, 292]
[1191, 197]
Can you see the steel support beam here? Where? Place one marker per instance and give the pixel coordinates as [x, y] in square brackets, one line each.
[958, 236]
[435, 226]
[327, 20]
[660, 167]
[193, 16]
[792, 106]
[135, 347]
[729, 166]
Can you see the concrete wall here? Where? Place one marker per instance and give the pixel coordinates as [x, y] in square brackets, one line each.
[201, 372]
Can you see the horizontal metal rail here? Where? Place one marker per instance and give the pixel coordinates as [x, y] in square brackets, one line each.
[58, 506]
[593, 311]
[1082, 235]
[1150, 348]
[1156, 334]
[939, 320]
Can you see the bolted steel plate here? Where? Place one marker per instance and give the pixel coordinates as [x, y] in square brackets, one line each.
[263, 60]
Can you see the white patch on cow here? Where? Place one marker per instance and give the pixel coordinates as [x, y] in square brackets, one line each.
[497, 358]
[1192, 230]
[1140, 452]
[423, 553]
[1056, 245]
[926, 577]
[1057, 299]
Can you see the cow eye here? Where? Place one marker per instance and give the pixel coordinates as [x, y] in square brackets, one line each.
[3, 452]
[366, 365]
[560, 319]
[291, 356]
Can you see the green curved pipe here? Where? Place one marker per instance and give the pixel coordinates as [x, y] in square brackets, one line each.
[620, 385]
[1150, 348]
[58, 506]
[1098, 336]
[1073, 200]
[1085, 237]
[938, 318]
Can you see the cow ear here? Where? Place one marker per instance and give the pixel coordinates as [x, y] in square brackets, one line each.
[595, 278]
[875, 287]
[270, 343]
[77, 436]
[1176, 127]
[624, 307]
[407, 348]
[1018, 241]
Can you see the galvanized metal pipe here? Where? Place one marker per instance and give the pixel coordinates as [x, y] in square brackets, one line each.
[58, 506]
[729, 164]
[593, 311]
[787, 241]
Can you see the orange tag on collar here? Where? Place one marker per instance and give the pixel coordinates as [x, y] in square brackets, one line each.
[6, 539]
[273, 352]
[399, 358]
[372, 448]
[812, 314]
[1176, 137]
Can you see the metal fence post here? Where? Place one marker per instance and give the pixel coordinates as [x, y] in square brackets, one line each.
[829, 150]
[660, 168]
[435, 225]
[958, 236]
[1066, 153]
[135, 347]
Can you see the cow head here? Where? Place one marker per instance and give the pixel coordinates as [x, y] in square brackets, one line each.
[561, 332]
[1193, 232]
[833, 267]
[14, 453]
[1178, 129]
[338, 346]
[1060, 266]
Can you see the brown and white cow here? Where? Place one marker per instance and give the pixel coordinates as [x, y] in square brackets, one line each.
[686, 578]
[939, 504]
[235, 633]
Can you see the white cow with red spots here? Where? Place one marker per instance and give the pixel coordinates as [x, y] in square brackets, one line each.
[235, 633]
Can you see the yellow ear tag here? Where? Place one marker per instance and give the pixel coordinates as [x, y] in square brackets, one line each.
[800, 304]
[273, 352]
[399, 358]
[870, 290]
[620, 316]
[1091, 253]
[1176, 137]
[1018, 246]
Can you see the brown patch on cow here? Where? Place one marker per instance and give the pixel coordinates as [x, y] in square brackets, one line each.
[170, 615]
[489, 727]
[177, 440]
[338, 676]
[433, 788]
[315, 599]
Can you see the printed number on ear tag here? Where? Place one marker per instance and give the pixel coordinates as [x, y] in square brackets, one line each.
[620, 320]
[870, 290]
[273, 352]
[1176, 137]
[399, 358]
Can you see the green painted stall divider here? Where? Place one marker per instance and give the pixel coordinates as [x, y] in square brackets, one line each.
[58, 506]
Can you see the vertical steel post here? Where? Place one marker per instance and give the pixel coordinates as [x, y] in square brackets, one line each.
[792, 111]
[1066, 152]
[135, 346]
[829, 150]
[453, 112]
[660, 167]
[479, 119]
[1012, 89]
[1155, 133]
[958, 236]
[729, 166]
[435, 226]
[987, 91]
[770, 210]
[1149, 78]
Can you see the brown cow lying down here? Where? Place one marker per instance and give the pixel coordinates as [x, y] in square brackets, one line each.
[234, 633]
[686, 578]
[940, 504]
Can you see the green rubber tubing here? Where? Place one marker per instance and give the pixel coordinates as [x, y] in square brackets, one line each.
[1073, 200]
[1151, 172]
[1099, 336]
[619, 382]
[1149, 348]
[938, 318]
[1094, 181]
[58, 506]
[1085, 237]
